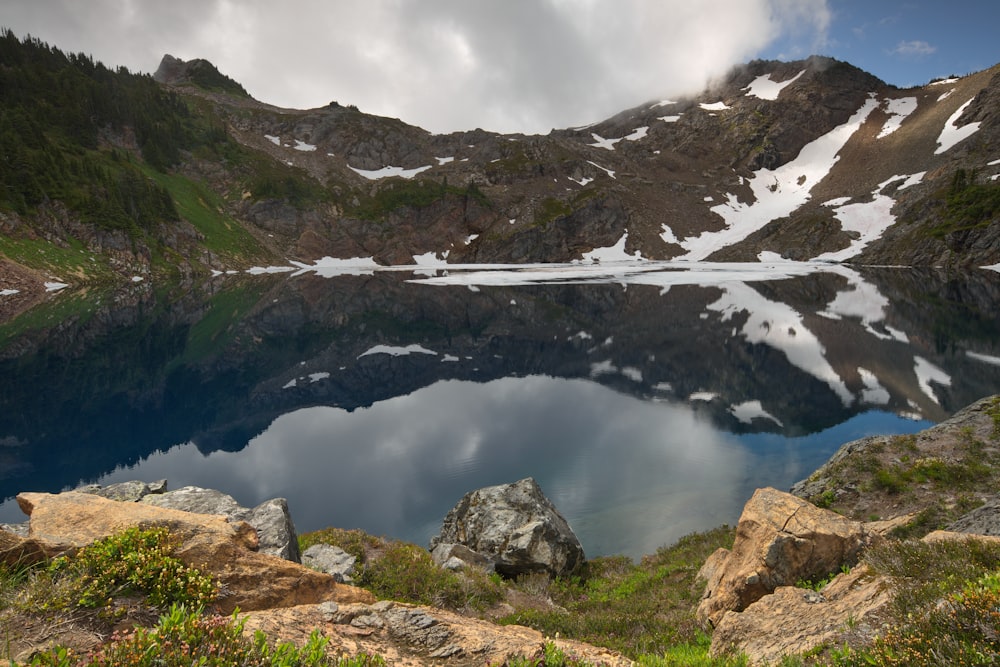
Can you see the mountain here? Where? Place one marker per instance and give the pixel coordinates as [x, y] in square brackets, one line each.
[110, 175]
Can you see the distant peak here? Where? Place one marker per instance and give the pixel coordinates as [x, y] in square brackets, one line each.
[198, 72]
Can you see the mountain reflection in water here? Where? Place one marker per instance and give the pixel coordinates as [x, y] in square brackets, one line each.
[645, 407]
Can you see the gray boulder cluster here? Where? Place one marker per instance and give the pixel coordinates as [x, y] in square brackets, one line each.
[512, 529]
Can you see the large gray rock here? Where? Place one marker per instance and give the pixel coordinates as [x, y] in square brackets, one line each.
[457, 557]
[984, 520]
[516, 527]
[330, 559]
[133, 491]
[271, 519]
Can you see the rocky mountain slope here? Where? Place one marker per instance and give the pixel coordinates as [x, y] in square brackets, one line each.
[812, 159]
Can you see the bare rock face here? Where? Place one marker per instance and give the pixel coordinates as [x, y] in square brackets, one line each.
[780, 539]
[793, 620]
[984, 520]
[271, 519]
[407, 634]
[516, 527]
[330, 559]
[225, 549]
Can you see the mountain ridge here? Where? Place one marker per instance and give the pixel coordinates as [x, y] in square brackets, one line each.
[811, 159]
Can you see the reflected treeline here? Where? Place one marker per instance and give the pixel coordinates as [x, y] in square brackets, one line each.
[116, 377]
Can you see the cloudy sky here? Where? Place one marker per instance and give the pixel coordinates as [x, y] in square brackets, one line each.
[510, 65]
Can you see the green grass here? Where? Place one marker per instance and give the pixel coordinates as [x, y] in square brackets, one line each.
[67, 263]
[399, 194]
[205, 209]
[637, 609]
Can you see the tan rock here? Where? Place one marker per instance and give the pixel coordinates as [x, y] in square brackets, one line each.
[793, 620]
[946, 535]
[407, 634]
[780, 539]
[226, 550]
[16, 550]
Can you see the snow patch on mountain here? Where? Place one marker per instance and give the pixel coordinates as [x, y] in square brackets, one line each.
[777, 192]
[303, 146]
[609, 172]
[637, 134]
[331, 267]
[952, 133]
[714, 106]
[386, 172]
[765, 88]
[670, 119]
[397, 351]
[868, 219]
[985, 358]
[898, 110]
[615, 253]
[601, 142]
[667, 234]
[609, 144]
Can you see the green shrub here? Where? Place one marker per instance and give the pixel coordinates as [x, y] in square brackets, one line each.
[406, 572]
[963, 629]
[133, 561]
[185, 637]
[549, 655]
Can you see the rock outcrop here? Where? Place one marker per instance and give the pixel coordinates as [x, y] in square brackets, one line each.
[516, 527]
[984, 520]
[330, 559]
[792, 620]
[271, 518]
[411, 635]
[780, 540]
[225, 549]
[286, 600]
[850, 610]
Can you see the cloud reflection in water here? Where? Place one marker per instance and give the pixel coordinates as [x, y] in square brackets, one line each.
[628, 474]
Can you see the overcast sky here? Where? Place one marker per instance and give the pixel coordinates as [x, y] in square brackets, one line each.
[509, 65]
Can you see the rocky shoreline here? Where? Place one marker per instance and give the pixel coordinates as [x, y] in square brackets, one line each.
[751, 599]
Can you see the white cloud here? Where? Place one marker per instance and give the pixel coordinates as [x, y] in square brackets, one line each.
[517, 65]
[913, 49]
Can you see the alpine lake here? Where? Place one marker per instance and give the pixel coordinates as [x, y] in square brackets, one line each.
[648, 400]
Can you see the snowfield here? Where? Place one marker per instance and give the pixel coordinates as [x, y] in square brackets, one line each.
[952, 133]
[898, 110]
[386, 172]
[777, 193]
[763, 87]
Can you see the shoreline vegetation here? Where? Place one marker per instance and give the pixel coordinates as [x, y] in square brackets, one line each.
[147, 607]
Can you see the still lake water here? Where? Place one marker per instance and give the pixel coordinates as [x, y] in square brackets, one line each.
[647, 402]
